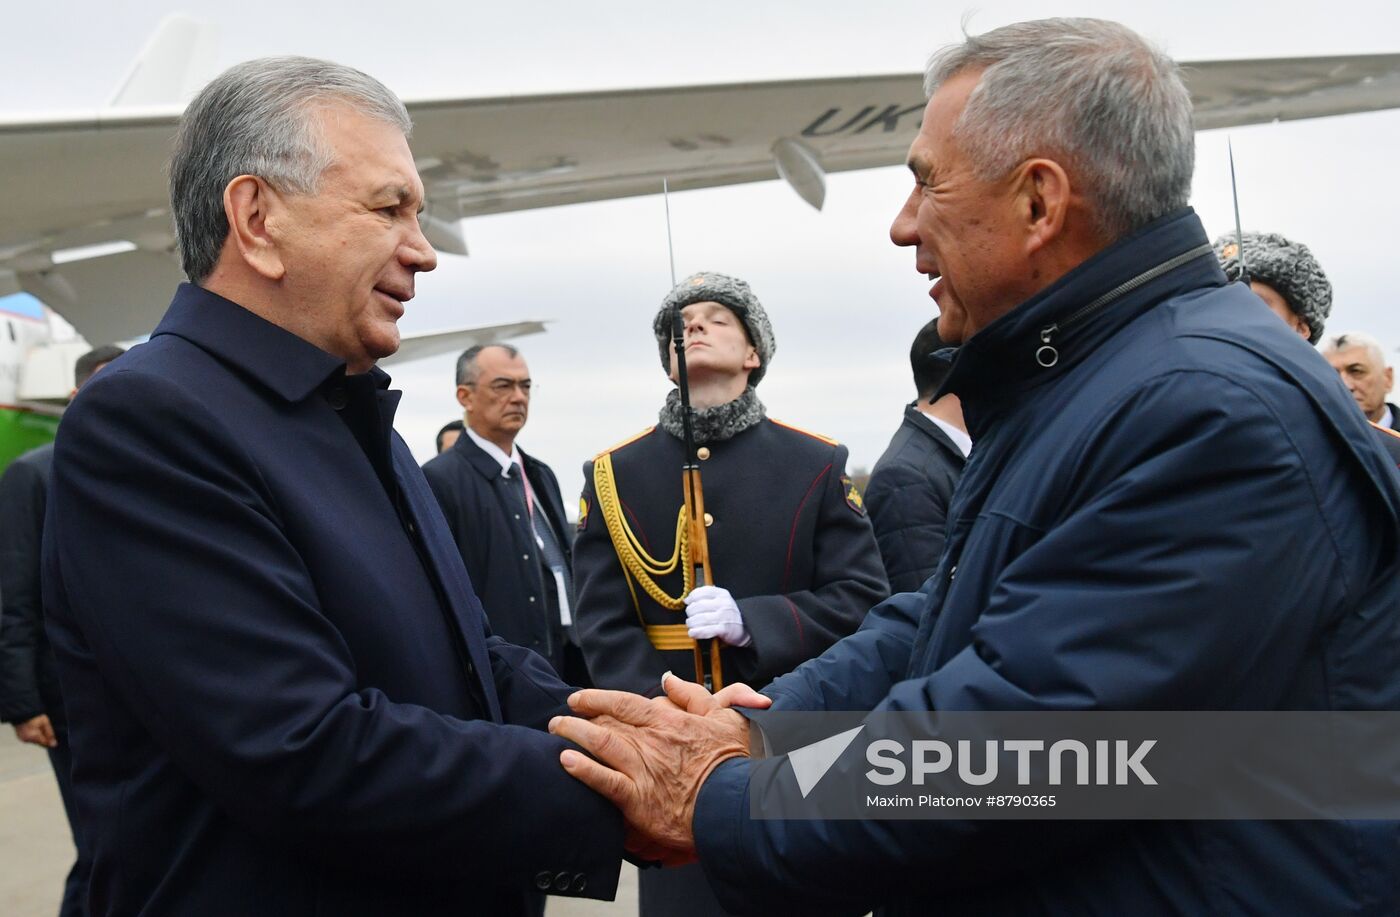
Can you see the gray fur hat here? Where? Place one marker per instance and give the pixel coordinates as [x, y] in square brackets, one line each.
[730, 292]
[1287, 266]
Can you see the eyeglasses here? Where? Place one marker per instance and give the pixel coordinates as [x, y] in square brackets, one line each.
[502, 387]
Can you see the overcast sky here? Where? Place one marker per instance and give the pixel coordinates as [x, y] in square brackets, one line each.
[844, 302]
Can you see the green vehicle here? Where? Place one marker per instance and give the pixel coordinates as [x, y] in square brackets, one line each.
[25, 422]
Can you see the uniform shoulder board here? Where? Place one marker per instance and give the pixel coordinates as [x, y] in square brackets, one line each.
[817, 436]
[626, 442]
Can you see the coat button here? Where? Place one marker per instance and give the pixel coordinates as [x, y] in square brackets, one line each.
[709, 520]
[337, 398]
[702, 453]
[532, 598]
[562, 881]
[543, 881]
[580, 882]
[524, 556]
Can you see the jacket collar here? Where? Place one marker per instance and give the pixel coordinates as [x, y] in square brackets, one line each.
[925, 425]
[485, 463]
[1000, 360]
[288, 365]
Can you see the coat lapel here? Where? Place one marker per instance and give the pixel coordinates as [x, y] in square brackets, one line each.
[446, 567]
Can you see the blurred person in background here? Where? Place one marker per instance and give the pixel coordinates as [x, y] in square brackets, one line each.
[912, 484]
[30, 696]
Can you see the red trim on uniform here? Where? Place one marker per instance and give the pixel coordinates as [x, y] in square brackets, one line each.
[796, 619]
[792, 536]
[636, 524]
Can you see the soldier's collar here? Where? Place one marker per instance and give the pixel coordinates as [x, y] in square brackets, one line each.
[716, 424]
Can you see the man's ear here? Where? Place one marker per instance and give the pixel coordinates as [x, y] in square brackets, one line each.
[1389, 378]
[464, 397]
[1045, 199]
[249, 202]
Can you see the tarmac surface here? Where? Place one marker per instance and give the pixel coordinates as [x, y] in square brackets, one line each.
[36, 849]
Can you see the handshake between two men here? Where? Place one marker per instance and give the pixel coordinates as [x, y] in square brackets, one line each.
[650, 756]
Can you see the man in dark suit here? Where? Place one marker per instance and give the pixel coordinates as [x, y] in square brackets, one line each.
[1360, 360]
[912, 484]
[282, 694]
[30, 698]
[505, 512]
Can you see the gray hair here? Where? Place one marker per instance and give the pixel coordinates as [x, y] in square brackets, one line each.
[259, 118]
[467, 370]
[1350, 339]
[1093, 94]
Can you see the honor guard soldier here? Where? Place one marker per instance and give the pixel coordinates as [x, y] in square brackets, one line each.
[794, 560]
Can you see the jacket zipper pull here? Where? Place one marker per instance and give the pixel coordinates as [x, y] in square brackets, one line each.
[1046, 355]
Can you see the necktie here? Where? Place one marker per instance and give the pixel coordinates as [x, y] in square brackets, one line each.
[548, 542]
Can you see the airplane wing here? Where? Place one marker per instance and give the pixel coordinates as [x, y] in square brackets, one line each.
[417, 346]
[74, 181]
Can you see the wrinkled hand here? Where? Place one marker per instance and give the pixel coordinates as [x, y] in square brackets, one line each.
[37, 731]
[653, 756]
[693, 698]
[711, 612]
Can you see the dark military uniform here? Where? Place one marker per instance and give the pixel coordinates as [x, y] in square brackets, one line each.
[790, 540]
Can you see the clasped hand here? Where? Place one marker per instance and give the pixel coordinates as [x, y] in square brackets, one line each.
[653, 755]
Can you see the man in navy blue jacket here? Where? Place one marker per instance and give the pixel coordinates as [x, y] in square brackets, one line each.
[912, 484]
[282, 695]
[1170, 507]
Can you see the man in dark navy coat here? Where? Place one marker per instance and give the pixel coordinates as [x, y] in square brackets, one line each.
[506, 514]
[282, 695]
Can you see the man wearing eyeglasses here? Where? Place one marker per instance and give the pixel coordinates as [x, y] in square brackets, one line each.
[505, 512]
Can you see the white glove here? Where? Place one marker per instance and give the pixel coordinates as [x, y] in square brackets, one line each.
[710, 612]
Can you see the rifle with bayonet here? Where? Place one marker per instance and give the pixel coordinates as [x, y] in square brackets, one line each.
[708, 671]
